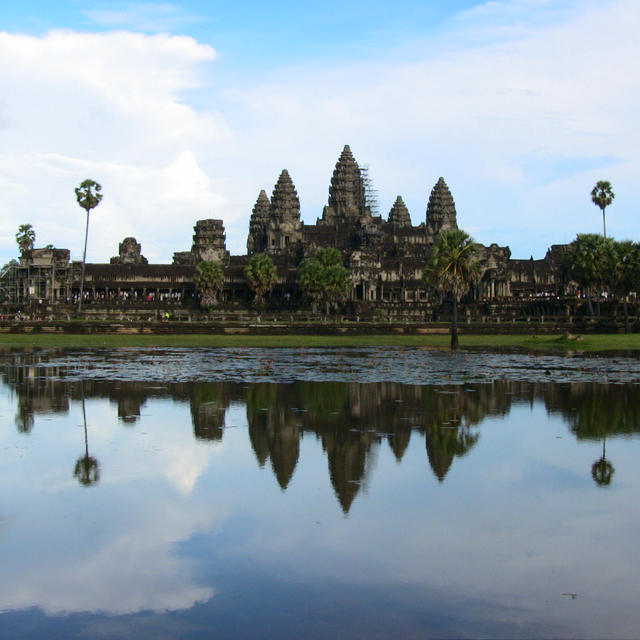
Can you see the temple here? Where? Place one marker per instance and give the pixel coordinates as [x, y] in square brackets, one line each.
[385, 257]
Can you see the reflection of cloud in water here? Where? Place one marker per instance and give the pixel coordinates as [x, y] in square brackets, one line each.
[517, 539]
[167, 447]
[134, 570]
[513, 515]
[111, 547]
[183, 468]
[125, 569]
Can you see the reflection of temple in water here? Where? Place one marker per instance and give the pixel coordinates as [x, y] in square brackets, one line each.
[350, 420]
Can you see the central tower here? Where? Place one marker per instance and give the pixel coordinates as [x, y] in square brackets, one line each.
[347, 201]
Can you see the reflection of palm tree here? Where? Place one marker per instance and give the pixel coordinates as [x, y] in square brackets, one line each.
[87, 469]
[24, 419]
[602, 470]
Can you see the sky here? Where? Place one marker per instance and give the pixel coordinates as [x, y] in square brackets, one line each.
[185, 110]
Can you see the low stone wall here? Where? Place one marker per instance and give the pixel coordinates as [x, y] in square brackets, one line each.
[280, 326]
[522, 316]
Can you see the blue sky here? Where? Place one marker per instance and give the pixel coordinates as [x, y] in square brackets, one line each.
[185, 110]
[276, 30]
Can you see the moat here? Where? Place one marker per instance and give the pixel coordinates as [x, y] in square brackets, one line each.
[314, 493]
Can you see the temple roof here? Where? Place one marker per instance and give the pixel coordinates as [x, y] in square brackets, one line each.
[261, 207]
[399, 214]
[347, 189]
[441, 210]
[284, 200]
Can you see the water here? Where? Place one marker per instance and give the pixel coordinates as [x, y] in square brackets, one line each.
[372, 493]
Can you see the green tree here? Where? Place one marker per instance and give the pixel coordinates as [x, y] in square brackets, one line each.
[209, 280]
[88, 196]
[324, 279]
[590, 261]
[452, 267]
[261, 275]
[26, 237]
[602, 196]
[626, 273]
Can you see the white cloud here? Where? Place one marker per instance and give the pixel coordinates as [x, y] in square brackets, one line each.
[520, 105]
[127, 529]
[483, 114]
[107, 106]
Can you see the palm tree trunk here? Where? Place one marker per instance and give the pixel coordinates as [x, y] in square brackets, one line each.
[604, 225]
[626, 315]
[84, 259]
[86, 437]
[454, 325]
[589, 303]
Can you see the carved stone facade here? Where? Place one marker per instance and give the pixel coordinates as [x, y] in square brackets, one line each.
[347, 202]
[385, 258]
[275, 227]
[258, 223]
[130, 252]
[441, 210]
[209, 243]
[399, 214]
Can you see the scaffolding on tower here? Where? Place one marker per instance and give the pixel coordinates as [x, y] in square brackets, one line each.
[371, 199]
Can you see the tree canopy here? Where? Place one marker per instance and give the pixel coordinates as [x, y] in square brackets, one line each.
[261, 275]
[25, 237]
[88, 194]
[451, 268]
[599, 264]
[323, 278]
[602, 196]
[590, 262]
[626, 274]
[209, 279]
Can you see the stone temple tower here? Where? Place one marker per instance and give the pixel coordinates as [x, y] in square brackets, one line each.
[399, 214]
[441, 210]
[347, 203]
[209, 242]
[275, 226]
[257, 240]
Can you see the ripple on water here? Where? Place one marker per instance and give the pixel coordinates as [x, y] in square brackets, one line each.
[384, 364]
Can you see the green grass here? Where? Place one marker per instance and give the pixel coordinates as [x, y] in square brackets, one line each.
[591, 342]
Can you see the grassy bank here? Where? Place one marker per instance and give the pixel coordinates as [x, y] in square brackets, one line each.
[587, 343]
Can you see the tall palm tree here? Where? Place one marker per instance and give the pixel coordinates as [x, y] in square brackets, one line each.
[26, 237]
[88, 196]
[602, 196]
[452, 268]
[261, 275]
